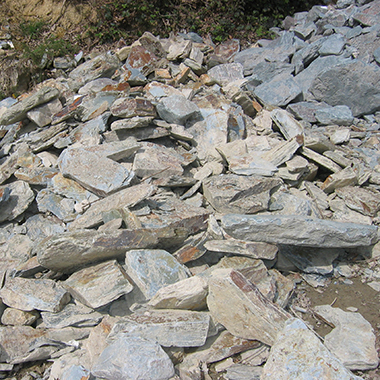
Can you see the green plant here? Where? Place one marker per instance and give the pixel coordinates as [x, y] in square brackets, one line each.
[33, 29]
[47, 50]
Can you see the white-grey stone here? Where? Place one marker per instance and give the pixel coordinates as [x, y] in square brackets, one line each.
[176, 109]
[131, 358]
[169, 328]
[308, 358]
[344, 342]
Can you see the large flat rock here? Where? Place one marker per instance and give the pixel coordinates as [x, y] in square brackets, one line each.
[299, 230]
[67, 251]
[249, 314]
[169, 328]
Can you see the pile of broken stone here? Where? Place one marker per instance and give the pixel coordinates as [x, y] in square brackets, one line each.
[157, 200]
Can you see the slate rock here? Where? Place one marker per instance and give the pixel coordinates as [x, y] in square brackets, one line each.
[67, 251]
[177, 328]
[233, 193]
[226, 73]
[156, 161]
[306, 77]
[61, 207]
[250, 315]
[308, 358]
[17, 111]
[153, 269]
[84, 166]
[177, 110]
[16, 317]
[102, 66]
[255, 250]
[340, 115]
[265, 72]
[71, 315]
[360, 199]
[98, 285]
[352, 84]
[20, 196]
[333, 45]
[128, 197]
[188, 294]
[343, 342]
[127, 108]
[132, 358]
[299, 231]
[29, 294]
[279, 92]
[288, 126]
[43, 115]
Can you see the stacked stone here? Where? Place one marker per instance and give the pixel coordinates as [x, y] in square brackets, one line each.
[159, 198]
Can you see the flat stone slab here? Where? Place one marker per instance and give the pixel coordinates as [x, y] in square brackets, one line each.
[71, 315]
[84, 166]
[255, 250]
[187, 294]
[352, 340]
[18, 196]
[152, 269]
[176, 109]
[169, 328]
[249, 315]
[18, 111]
[132, 357]
[28, 294]
[299, 354]
[98, 285]
[123, 198]
[353, 84]
[234, 193]
[298, 230]
[67, 251]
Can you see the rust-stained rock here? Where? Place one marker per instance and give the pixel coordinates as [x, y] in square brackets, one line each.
[249, 314]
[126, 108]
[141, 59]
[68, 251]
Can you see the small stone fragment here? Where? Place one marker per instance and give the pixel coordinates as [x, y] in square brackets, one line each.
[187, 294]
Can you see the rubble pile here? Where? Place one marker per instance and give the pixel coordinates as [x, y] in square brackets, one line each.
[158, 201]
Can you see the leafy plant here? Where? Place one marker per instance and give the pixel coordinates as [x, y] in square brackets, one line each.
[33, 29]
[47, 50]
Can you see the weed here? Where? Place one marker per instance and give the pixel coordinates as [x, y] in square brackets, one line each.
[47, 50]
[33, 29]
